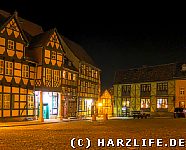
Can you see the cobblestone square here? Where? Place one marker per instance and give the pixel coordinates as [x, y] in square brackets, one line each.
[58, 136]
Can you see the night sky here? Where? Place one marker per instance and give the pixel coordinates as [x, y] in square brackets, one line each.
[113, 45]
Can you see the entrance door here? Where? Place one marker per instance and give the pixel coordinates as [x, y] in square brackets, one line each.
[45, 111]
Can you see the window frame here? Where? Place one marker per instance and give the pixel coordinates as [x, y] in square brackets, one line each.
[1, 66]
[8, 69]
[11, 45]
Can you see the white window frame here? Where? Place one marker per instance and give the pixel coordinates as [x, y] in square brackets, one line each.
[25, 72]
[30, 101]
[11, 44]
[8, 68]
[6, 101]
[48, 74]
[1, 66]
[162, 103]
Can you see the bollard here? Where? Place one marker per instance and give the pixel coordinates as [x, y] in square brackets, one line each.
[93, 117]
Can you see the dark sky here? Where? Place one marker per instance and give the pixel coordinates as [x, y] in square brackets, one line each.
[113, 45]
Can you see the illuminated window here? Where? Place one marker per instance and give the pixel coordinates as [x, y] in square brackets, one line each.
[48, 74]
[96, 74]
[182, 91]
[145, 103]
[56, 75]
[92, 73]
[30, 101]
[8, 68]
[54, 102]
[25, 71]
[69, 76]
[0, 101]
[1, 66]
[64, 74]
[74, 77]
[162, 103]
[53, 55]
[6, 101]
[10, 44]
[182, 104]
[126, 102]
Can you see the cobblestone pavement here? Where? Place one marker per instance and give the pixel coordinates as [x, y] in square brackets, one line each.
[58, 136]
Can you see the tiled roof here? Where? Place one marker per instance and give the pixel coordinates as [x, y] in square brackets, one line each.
[149, 74]
[78, 51]
[68, 64]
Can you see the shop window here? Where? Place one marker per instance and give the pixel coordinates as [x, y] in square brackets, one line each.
[145, 103]
[162, 103]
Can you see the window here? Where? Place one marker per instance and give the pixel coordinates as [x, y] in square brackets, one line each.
[69, 76]
[182, 91]
[48, 74]
[53, 55]
[126, 90]
[162, 103]
[162, 86]
[25, 71]
[145, 88]
[64, 74]
[145, 103]
[182, 104]
[10, 44]
[126, 102]
[8, 68]
[74, 77]
[1, 66]
[6, 100]
[56, 75]
[30, 101]
[54, 102]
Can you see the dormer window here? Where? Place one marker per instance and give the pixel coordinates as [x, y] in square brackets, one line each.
[53, 55]
[10, 44]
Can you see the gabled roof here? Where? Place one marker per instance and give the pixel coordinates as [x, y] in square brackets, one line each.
[6, 20]
[79, 52]
[149, 74]
[29, 27]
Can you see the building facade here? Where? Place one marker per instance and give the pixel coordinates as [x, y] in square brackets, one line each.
[154, 89]
[88, 78]
[40, 72]
[105, 103]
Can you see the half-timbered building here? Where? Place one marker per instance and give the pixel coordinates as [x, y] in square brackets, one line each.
[88, 77]
[16, 70]
[153, 89]
[48, 52]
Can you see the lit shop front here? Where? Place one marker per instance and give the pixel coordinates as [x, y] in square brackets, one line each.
[50, 102]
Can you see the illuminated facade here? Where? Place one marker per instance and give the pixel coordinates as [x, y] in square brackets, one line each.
[16, 71]
[88, 78]
[154, 89]
[105, 103]
[38, 75]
